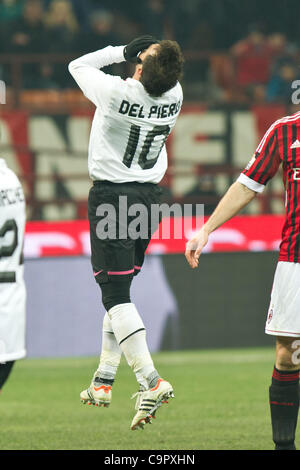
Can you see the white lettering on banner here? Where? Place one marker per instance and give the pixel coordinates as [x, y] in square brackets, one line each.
[192, 144]
[9, 154]
[84, 238]
[72, 238]
[234, 237]
[221, 236]
[78, 128]
[190, 147]
[2, 92]
[157, 249]
[257, 245]
[57, 159]
[244, 137]
[35, 242]
[275, 245]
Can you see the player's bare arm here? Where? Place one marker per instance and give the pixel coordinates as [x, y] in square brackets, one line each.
[236, 198]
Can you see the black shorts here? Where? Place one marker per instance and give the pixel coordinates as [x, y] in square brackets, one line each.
[120, 254]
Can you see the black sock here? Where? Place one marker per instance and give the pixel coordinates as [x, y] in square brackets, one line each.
[102, 380]
[284, 406]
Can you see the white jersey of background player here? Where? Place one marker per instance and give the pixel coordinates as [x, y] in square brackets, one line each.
[12, 287]
[126, 117]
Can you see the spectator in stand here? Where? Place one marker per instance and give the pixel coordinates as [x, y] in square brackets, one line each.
[10, 10]
[62, 32]
[283, 52]
[253, 59]
[279, 88]
[62, 27]
[155, 19]
[26, 35]
[101, 33]
[81, 8]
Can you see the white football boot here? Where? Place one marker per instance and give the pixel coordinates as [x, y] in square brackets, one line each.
[138, 395]
[150, 401]
[97, 394]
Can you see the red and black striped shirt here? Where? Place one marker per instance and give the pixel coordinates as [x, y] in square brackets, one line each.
[280, 145]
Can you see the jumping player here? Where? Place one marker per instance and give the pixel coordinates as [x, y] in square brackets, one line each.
[127, 157]
[12, 286]
[279, 146]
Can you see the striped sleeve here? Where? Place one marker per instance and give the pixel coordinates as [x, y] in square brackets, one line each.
[264, 163]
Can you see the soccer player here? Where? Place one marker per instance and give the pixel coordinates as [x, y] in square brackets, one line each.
[12, 286]
[279, 146]
[127, 158]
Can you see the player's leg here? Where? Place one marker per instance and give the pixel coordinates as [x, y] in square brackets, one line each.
[148, 401]
[100, 389]
[5, 370]
[110, 357]
[283, 321]
[113, 262]
[284, 393]
[106, 253]
[130, 333]
[126, 323]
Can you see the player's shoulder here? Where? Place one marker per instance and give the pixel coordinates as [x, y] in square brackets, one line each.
[176, 91]
[277, 126]
[286, 121]
[7, 176]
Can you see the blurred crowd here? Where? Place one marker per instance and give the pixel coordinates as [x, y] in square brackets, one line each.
[235, 51]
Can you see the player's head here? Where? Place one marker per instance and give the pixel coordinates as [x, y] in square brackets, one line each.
[160, 67]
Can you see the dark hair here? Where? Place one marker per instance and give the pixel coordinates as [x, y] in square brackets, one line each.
[162, 70]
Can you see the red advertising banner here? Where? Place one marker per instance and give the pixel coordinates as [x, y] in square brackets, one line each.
[242, 233]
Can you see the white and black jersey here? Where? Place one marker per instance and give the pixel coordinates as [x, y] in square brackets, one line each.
[12, 286]
[130, 127]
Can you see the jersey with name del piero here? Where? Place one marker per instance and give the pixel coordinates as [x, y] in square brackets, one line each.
[129, 133]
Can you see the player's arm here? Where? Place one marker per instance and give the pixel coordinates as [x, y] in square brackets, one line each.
[86, 71]
[236, 198]
[97, 85]
[261, 168]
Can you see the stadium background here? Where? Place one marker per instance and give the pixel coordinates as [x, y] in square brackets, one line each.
[241, 58]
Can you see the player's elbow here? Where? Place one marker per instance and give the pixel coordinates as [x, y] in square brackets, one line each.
[74, 67]
[71, 67]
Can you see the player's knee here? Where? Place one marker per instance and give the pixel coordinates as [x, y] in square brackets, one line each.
[283, 360]
[115, 292]
[285, 355]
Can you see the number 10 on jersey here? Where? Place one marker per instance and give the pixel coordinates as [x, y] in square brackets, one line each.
[133, 141]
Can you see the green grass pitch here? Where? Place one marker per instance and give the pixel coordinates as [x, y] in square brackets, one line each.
[221, 402]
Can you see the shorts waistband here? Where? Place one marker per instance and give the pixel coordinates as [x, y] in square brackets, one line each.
[129, 183]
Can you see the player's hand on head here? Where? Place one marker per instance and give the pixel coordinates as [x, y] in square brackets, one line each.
[135, 47]
[195, 246]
